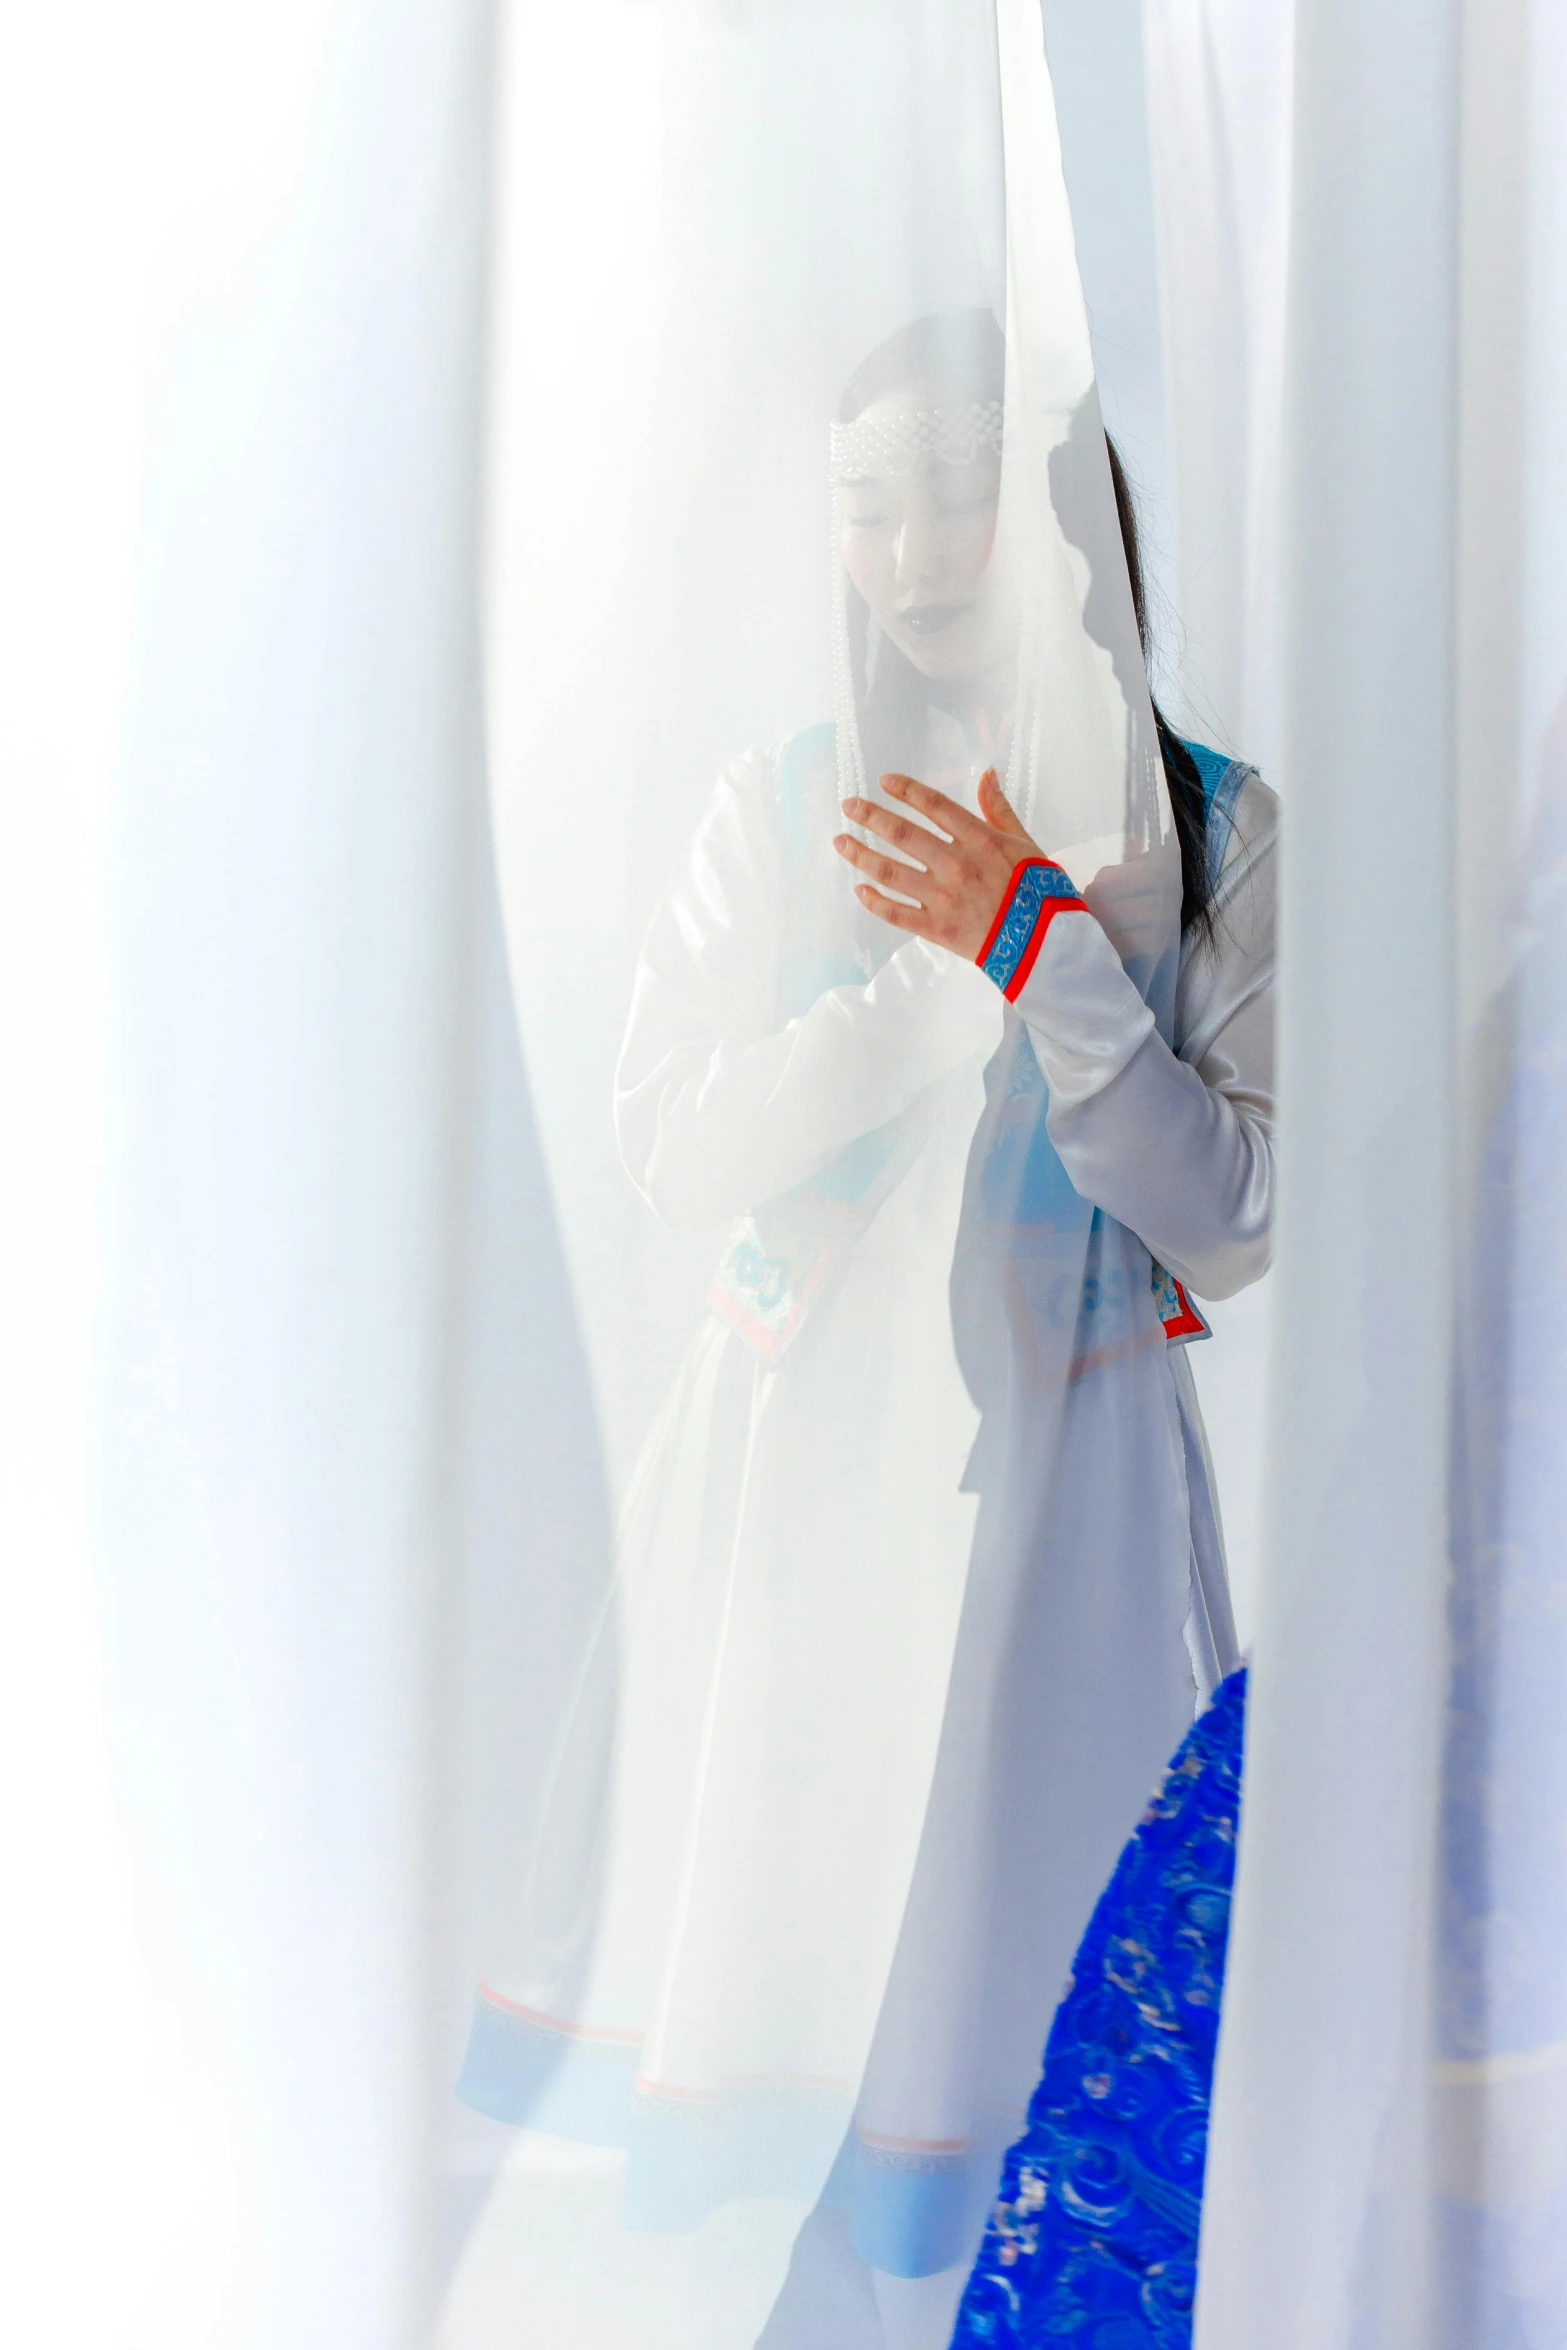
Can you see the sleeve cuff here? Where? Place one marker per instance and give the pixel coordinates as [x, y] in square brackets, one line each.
[1174, 1308]
[1037, 891]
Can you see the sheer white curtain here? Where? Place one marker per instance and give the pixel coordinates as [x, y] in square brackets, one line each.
[1389, 2145]
[1219, 137]
[289, 1393]
[774, 199]
[1099, 70]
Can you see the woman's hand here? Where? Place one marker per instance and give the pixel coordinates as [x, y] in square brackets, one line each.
[959, 872]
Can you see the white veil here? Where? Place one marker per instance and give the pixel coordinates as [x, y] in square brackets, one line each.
[891, 1644]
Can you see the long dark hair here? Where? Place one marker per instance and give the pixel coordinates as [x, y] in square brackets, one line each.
[1187, 803]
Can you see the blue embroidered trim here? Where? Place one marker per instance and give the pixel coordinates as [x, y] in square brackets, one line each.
[1093, 2238]
[1034, 887]
[1223, 780]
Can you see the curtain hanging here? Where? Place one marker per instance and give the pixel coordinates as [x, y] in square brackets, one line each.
[269, 1231]
[1389, 2147]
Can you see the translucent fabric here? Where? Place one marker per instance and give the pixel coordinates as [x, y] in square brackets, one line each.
[1388, 2161]
[1219, 125]
[264, 1131]
[799, 478]
[1219, 128]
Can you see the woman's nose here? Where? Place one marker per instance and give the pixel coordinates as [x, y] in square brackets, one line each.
[916, 553]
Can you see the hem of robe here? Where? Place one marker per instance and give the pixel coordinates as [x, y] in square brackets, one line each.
[913, 2210]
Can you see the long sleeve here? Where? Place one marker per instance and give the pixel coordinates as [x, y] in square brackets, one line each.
[721, 1106]
[1178, 1145]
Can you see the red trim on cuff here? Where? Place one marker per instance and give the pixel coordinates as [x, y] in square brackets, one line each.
[1005, 907]
[1050, 904]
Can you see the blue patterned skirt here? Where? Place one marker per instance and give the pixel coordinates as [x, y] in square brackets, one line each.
[1092, 2244]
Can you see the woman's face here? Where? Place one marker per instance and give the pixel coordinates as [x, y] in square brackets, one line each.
[917, 546]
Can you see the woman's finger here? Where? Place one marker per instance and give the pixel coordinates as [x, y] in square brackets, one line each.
[901, 917]
[891, 872]
[918, 840]
[994, 805]
[952, 818]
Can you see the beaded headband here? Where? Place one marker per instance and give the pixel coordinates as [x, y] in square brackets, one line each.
[900, 444]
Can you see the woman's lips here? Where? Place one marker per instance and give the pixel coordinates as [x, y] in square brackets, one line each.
[930, 619]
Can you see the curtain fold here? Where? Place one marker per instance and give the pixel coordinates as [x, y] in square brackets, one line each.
[1219, 129]
[290, 1399]
[1219, 137]
[1389, 2138]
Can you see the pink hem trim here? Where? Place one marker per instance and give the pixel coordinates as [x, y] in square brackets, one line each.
[912, 2145]
[559, 2023]
[642, 2085]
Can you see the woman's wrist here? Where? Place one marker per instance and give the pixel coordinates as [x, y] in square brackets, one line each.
[1037, 890]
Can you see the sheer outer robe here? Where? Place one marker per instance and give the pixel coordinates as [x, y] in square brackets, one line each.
[841, 1764]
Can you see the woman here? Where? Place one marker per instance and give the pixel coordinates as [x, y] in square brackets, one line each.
[921, 1572]
[1175, 1144]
